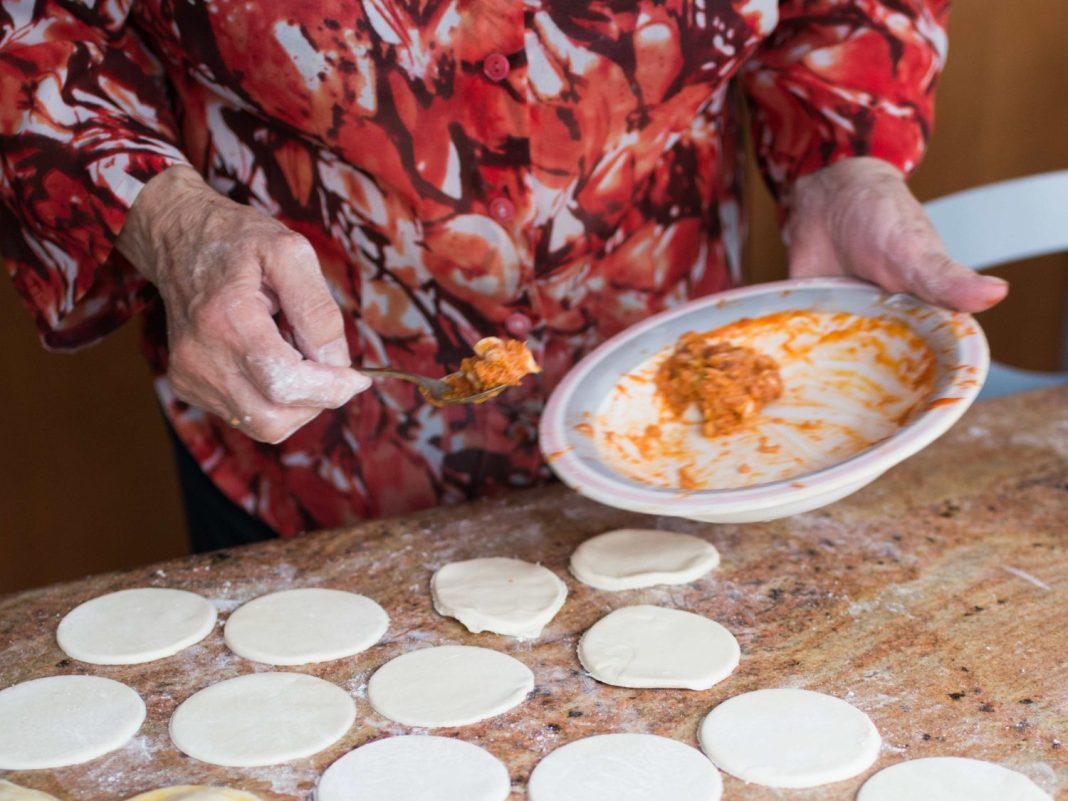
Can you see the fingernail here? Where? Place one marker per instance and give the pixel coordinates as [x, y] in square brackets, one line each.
[336, 354]
[993, 280]
[360, 382]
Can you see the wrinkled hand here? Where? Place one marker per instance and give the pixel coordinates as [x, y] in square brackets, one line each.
[223, 269]
[857, 217]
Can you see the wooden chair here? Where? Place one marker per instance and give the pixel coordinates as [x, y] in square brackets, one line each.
[1001, 223]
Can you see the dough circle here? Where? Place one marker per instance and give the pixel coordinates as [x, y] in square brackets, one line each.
[625, 767]
[950, 779]
[296, 627]
[650, 646]
[789, 738]
[422, 767]
[129, 627]
[12, 792]
[631, 558]
[65, 720]
[505, 596]
[448, 685]
[195, 792]
[262, 719]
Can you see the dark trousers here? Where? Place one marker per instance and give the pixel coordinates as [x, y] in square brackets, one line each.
[213, 520]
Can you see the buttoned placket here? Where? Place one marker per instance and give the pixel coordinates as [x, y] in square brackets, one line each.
[511, 208]
[523, 320]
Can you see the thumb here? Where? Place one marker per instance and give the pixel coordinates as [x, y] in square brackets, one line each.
[940, 280]
[294, 274]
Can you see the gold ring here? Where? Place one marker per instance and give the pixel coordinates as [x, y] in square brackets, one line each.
[235, 422]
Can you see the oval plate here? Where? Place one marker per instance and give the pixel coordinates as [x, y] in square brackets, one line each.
[591, 404]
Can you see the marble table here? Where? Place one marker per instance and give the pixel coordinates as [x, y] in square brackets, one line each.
[934, 600]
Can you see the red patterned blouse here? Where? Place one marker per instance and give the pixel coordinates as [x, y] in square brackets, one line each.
[549, 169]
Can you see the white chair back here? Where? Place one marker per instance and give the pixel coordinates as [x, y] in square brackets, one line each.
[1001, 223]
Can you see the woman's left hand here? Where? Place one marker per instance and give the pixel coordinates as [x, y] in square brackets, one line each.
[857, 217]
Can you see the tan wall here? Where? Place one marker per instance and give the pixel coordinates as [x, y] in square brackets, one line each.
[86, 479]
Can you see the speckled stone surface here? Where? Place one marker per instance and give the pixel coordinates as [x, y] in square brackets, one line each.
[934, 600]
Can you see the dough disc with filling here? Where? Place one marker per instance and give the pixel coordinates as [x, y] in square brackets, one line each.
[413, 767]
[12, 792]
[65, 720]
[950, 779]
[650, 646]
[625, 767]
[195, 792]
[448, 685]
[631, 558]
[505, 596]
[296, 627]
[789, 738]
[129, 627]
[262, 719]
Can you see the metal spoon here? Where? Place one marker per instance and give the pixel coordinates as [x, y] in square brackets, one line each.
[437, 390]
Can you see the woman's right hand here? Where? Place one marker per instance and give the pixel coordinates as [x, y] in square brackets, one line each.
[223, 270]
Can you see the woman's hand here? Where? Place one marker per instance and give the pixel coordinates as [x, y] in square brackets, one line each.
[223, 269]
[857, 217]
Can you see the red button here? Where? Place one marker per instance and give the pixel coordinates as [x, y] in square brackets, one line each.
[496, 66]
[501, 209]
[518, 325]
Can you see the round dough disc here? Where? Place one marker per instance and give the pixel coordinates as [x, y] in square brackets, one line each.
[12, 792]
[650, 646]
[296, 627]
[631, 558]
[789, 738]
[262, 719]
[65, 720]
[448, 685]
[195, 792]
[129, 627]
[950, 779]
[505, 596]
[625, 767]
[420, 767]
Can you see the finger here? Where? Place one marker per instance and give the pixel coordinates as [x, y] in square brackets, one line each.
[262, 420]
[944, 282]
[293, 271]
[193, 376]
[303, 383]
[281, 376]
[194, 391]
[192, 372]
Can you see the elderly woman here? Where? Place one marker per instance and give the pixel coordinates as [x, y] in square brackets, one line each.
[284, 189]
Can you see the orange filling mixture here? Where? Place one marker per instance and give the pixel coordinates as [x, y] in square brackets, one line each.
[496, 365]
[728, 384]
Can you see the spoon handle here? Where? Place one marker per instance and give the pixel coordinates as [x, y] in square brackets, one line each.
[386, 372]
[434, 386]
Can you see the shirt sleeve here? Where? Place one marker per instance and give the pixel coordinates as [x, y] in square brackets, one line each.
[85, 122]
[839, 79]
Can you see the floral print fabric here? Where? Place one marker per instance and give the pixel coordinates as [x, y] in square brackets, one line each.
[551, 169]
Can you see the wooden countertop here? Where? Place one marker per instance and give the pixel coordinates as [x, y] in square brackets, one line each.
[934, 600]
